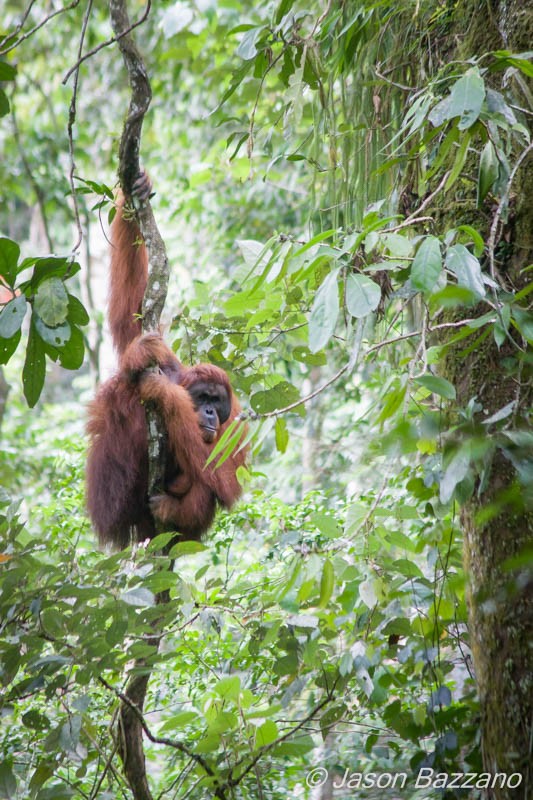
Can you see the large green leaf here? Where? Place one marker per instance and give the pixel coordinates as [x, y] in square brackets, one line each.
[466, 98]
[454, 473]
[279, 396]
[57, 336]
[466, 267]
[9, 256]
[488, 171]
[362, 295]
[34, 368]
[11, 316]
[427, 265]
[72, 352]
[437, 385]
[51, 302]
[324, 313]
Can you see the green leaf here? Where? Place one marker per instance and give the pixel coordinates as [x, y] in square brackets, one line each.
[279, 396]
[227, 444]
[441, 112]
[247, 48]
[11, 316]
[407, 568]
[460, 158]
[237, 78]
[326, 524]
[393, 401]
[72, 352]
[524, 322]
[34, 370]
[427, 265]
[466, 98]
[503, 413]
[179, 720]
[266, 733]
[295, 748]
[466, 267]
[399, 625]
[51, 302]
[4, 104]
[229, 687]
[475, 236]
[51, 267]
[362, 295]
[437, 385]
[77, 313]
[454, 473]
[9, 256]
[282, 435]
[488, 171]
[326, 583]
[7, 72]
[496, 105]
[255, 254]
[139, 596]
[320, 237]
[186, 549]
[519, 60]
[57, 336]
[8, 347]
[324, 313]
[8, 783]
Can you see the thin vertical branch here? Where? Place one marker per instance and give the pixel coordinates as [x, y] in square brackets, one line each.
[130, 727]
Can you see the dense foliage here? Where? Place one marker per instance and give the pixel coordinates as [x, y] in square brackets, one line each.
[344, 200]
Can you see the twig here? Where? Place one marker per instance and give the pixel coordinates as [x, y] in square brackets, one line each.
[112, 40]
[320, 20]
[412, 218]
[151, 736]
[302, 400]
[441, 326]
[131, 723]
[233, 782]
[491, 244]
[39, 194]
[38, 26]
[70, 130]
[23, 19]
[410, 221]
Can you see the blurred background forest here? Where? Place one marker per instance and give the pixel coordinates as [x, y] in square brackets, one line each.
[344, 191]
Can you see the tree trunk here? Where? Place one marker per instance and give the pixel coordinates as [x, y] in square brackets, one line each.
[500, 607]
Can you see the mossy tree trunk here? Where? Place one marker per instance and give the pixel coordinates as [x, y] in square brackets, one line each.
[496, 523]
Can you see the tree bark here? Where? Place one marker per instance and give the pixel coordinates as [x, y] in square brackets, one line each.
[500, 605]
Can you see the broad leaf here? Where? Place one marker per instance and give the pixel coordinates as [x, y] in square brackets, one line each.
[11, 316]
[488, 171]
[72, 352]
[454, 473]
[51, 302]
[9, 256]
[324, 313]
[279, 396]
[138, 597]
[362, 295]
[57, 336]
[34, 368]
[8, 347]
[466, 98]
[326, 583]
[427, 265]
[466, 267]
[437, 385]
